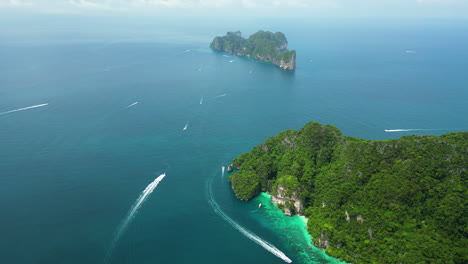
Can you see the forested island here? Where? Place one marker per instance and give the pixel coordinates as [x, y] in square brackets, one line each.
[367, 201]
[263, 45]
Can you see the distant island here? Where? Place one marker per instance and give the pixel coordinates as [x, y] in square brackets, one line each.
[263, 45]
[368, 201]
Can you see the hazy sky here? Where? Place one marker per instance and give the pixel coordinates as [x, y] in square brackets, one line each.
[282, 8]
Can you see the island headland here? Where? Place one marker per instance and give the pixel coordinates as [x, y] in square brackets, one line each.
[368, 201]
[263, 45]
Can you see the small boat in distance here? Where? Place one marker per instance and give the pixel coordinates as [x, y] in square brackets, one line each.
[185, 127]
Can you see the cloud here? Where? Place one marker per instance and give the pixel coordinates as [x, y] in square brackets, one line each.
[15, 3]
[88, 4]
[272, 8]
[249, 3]
[428, 1]
[147, 5]
[215, 3]
[302, 4]
[165, 3]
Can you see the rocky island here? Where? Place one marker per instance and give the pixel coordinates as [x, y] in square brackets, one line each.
[263, 45]
[389, 201]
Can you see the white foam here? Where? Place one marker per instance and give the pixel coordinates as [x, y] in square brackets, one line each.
[135, 103]
[259, 206]
[397, 130]
[222, 170]
[131, 214]
[221, 95]
[231, 60]
[410, 129]
[185, 127]
[201, 100]
[266, 245]
[410, 51]
[24, 108]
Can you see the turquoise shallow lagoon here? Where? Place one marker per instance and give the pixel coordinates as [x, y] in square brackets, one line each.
[292, 230]
[71, 171]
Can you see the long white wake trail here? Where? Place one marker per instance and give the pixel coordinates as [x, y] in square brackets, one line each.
[24, 108]
[135, 103]
[409, 129]
[218, 96]
[131, 214]
[397, 130]
[222, 170]
[266, 245]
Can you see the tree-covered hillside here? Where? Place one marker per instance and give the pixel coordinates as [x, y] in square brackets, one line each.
[263, 45]
[368, 201]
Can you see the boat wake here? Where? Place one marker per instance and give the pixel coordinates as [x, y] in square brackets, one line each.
[266, 245]
[24, 108]
[218, 96]
[131, 214]
[135, 103]
[222, 171]
[397, 130]
[408, 129]
[259, 206]
[201, 100]
[185, 127]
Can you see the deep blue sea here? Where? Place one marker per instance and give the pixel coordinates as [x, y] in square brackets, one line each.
[73, 172]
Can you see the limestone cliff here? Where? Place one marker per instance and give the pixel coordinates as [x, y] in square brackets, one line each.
[288, 65]
[289, 203]
[263, 45]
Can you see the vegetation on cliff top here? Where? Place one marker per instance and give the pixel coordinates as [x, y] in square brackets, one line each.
[406, 198]
[263, 45]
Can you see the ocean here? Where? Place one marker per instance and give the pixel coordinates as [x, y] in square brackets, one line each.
[81, 172]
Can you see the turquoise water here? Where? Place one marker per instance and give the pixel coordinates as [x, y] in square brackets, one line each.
[71, 171]
[292, 231]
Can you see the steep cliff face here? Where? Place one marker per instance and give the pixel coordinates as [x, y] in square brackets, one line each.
[290, 204]
[283, 45]
[233, 42]
[263, 45]
[288, 65]
[322, 241]
[216, 43]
